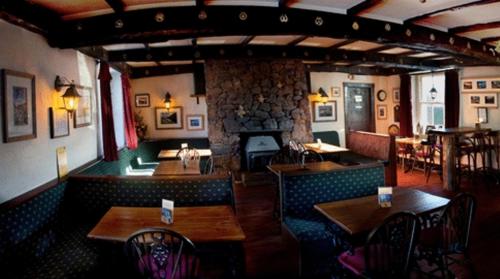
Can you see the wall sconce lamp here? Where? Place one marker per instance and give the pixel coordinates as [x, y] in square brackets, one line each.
[322, 95]
[70, 96]
[167, 101]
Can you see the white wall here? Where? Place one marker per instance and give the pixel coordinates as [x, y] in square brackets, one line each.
[24, 165]
[328, 80]
[468, 117]
[117, 103]
[180, 88]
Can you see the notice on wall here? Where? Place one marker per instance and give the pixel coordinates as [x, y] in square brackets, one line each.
[62, 162]
[358, 98]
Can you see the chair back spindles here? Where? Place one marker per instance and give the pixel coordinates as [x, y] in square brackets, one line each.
[456, 223]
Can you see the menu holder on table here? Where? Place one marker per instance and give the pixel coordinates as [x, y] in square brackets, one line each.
[385, 196]
[167, 211]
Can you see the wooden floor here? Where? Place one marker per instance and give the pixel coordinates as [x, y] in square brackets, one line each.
[266, 255]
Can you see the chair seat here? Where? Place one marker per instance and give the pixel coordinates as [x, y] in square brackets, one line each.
[355, 262]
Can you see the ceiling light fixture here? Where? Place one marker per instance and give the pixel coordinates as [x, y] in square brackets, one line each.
[433, 92]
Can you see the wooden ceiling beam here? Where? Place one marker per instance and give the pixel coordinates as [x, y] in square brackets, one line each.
[117, 5]
[343, 43]
[298, 40]
[161, 70]
[29, 15]
[474, 27]
[363, 6]
[372, 71]
[284, 3]
[490, 39]
[247, 40]
[184, 23]
[453, 8]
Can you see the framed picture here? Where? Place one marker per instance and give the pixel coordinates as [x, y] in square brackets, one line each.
[83, 113]
[142, 100]
[325, 112]
[19, 106]
[395, 95]
[489, 100]
[195, 122]
[475, 100]
[479, 85]
[396, 113]
[482, 115]
[381, 111]
[59, 123]
[171, 119]
[335, 91]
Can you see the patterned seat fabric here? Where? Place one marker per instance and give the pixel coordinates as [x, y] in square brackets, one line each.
[314, 232]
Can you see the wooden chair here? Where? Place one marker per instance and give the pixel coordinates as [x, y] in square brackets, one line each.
[388, 250]
[310, 156]
[157, 253]
[449, 235]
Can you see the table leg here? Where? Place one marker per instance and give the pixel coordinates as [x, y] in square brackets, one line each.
[449, 162]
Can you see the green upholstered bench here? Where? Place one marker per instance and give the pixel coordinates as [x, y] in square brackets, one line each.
[45, 236]
[331, 137]
[312, 232]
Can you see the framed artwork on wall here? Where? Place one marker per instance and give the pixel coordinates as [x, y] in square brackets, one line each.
[395, 95]
[19, 106]
[475, 100]
[489, 100]
[381, 112]
[83, 113]
[478, 85]
[59, 123]
[335, 91]
[171, 119]
[195, 122]
[142, 100]
[482, 115]
[325, 112]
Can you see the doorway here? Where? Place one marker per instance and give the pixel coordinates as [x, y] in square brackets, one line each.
[359, 107]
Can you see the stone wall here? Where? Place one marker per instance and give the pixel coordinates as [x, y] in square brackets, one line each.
[252, 95]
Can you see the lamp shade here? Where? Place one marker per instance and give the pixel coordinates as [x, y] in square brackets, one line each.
[322, 95]
[71, 98]
[433, 92]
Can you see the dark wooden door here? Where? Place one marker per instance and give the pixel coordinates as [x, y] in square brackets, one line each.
[359, 107]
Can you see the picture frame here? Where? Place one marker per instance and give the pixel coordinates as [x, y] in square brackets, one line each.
[59, 123]
[19, 106]
[396, 113]
[489, 100]
[335, 91]
[142, 100]
[171, 119]
[195, 122]
[474, 100]
[482, 115]
[381, 112]
[481, 85]
[83, 114]
[325, 112]
[395, 95]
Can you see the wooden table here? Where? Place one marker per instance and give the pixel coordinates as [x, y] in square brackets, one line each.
[325, 148]
[361, 215]
[449, 136]
[409, 141]
[175, 167]
[172, 153]
[200, 224]
[291, 169]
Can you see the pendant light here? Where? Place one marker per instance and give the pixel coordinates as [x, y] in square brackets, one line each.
[433, 92]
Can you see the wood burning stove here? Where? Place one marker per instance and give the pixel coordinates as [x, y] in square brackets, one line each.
[259, 150]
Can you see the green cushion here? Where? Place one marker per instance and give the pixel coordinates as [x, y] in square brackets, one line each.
[331, 137]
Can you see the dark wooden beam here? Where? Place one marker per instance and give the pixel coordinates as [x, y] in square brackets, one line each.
[253, 21]
[141, 72]
[298, 40]
[475, 27]
[117, 5]
[490, 39]
[259, 51]
[372, 71]
[457, 7]
[363, 6]
[343, 43]
[284, 3]
[379, 49]
[247, 40]
[200, 3]
[29, 15]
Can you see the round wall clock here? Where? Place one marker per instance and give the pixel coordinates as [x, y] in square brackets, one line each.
[393, 130]
[381, 95]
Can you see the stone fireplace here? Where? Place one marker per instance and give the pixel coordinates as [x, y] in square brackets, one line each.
[250, 95]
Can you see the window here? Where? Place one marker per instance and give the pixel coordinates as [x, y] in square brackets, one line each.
[429, 110]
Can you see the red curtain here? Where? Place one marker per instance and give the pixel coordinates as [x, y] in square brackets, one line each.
[405, 119]
[108, 128]
[451, 99]
[130, 135]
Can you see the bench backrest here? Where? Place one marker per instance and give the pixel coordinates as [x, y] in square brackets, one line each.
[301, 192]
[92, 196]
[331, 137]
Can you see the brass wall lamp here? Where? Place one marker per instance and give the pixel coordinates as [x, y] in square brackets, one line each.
[70, 96]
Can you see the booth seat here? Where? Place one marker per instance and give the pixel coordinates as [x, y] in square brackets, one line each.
[310, 232]
[45, 236]
[147, 151]
[330, 137]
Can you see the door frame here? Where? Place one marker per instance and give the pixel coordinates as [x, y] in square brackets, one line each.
[372, 106]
